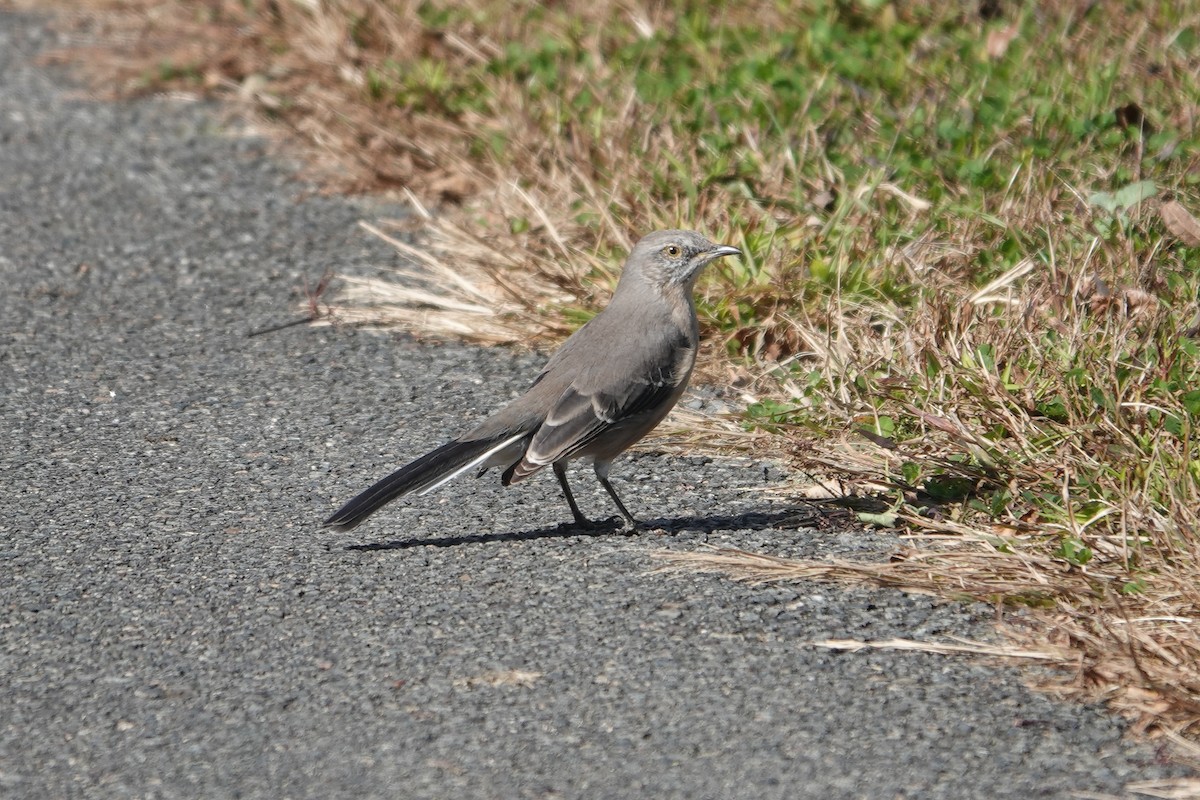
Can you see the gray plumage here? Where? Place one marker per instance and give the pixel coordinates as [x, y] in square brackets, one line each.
[605, 388]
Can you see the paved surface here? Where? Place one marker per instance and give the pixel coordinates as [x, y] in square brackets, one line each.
[174, 624]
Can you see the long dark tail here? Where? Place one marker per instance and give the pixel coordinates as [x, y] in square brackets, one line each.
[427, 471]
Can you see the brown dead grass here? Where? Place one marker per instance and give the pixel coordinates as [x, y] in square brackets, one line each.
[296, 65]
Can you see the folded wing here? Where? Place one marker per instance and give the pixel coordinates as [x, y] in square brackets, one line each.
[588, 409]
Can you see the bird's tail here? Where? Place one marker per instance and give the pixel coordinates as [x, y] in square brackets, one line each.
[423, 475]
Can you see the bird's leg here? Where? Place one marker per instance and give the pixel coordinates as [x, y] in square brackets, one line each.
[560, 472]
[601, 468]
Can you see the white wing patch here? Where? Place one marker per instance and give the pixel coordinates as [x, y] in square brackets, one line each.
[601, 413]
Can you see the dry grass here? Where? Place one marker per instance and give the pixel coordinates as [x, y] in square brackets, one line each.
[972, 276]
[476, 301]
[1170, 789]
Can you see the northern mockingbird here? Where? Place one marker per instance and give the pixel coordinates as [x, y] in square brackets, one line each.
[605, 388]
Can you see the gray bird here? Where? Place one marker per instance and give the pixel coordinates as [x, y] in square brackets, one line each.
[607, 386]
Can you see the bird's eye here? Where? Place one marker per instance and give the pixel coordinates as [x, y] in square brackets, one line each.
[672, 250]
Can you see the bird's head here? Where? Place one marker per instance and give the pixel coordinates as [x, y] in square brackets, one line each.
[668, 259]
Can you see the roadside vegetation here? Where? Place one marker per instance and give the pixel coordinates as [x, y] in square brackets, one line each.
[970, 300]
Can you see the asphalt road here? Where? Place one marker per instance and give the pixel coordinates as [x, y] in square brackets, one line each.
[174, 623]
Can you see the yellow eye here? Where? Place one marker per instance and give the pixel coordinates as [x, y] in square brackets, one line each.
[672, 250]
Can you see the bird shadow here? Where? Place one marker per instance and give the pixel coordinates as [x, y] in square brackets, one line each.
[799, 516]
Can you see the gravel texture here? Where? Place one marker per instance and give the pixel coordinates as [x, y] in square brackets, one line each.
[175, 624]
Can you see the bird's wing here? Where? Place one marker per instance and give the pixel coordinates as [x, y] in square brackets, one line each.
[591, 406]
